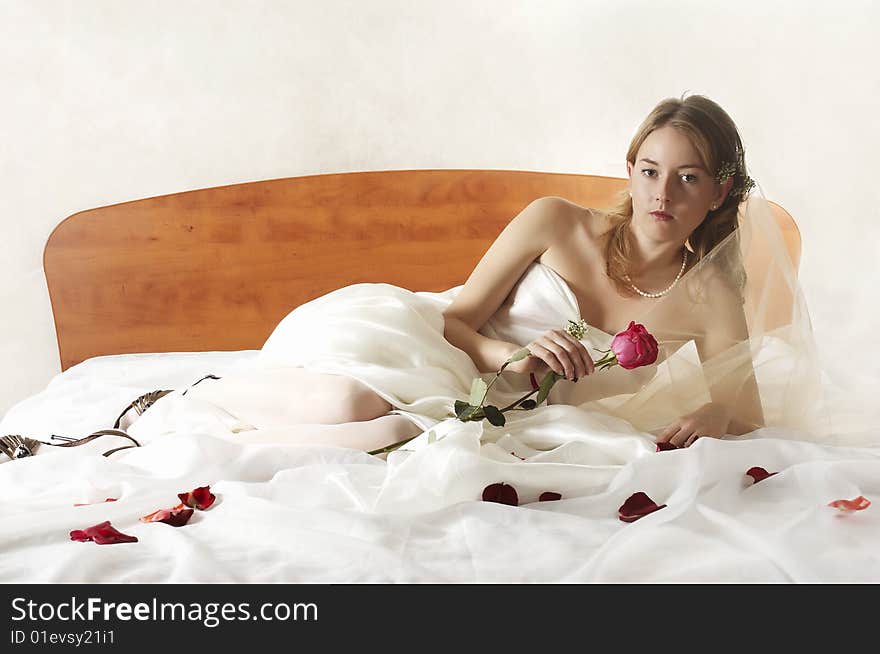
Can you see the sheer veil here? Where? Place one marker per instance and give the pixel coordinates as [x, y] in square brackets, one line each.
[736, 330]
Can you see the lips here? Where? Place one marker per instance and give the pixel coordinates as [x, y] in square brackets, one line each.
[661, 215]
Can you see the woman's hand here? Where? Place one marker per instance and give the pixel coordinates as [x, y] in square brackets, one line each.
[709, 420]
[556, 350]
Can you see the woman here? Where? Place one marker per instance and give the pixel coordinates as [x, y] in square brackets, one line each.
[372, 364]
[620, 262]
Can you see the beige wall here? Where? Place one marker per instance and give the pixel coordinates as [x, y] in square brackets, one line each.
[112, 100]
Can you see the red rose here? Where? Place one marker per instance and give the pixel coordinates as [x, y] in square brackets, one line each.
[549, 496]
[634, 347]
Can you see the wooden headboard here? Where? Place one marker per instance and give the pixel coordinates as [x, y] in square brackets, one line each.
[217, 268]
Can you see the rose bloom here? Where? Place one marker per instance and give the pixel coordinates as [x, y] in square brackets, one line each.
[635, 347]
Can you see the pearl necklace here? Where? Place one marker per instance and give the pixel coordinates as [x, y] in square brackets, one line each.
[661, 293]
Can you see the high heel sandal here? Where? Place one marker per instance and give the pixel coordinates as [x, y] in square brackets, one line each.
[16, 446]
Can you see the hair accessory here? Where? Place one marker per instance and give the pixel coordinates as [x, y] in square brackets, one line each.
[732, 168]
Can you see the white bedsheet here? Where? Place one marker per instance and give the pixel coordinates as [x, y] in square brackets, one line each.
[324, 514]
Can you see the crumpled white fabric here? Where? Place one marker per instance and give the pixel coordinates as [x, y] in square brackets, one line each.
[299, 513]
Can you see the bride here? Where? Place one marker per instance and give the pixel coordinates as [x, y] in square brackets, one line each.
[369, 365]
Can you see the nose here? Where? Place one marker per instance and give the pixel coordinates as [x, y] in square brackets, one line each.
[664, 190]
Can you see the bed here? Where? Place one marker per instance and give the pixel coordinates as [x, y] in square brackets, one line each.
[158, 293]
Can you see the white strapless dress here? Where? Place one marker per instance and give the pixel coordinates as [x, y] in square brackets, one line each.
[391, 339]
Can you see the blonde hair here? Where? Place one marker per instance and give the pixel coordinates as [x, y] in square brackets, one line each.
[716, 139]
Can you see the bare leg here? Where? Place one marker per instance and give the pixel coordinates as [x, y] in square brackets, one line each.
[293, 395]
[364, 435]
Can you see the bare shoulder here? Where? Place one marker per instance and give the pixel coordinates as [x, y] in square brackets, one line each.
[543, 222]
[586, 221]
[719, 286]
[558, 209]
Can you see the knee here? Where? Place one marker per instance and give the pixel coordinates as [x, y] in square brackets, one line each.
[403, 428]
[361, 403]
[393, 429]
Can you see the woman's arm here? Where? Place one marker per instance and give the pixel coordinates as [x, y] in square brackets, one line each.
[525, 238]
[725, 353]
[487, 354]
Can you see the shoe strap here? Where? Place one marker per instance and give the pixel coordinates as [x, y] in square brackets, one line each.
[141, 404]
[98, 434]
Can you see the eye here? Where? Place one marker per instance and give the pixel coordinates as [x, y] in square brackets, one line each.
[693, 177]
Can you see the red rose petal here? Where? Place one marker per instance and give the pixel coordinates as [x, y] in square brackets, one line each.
[102, 533]
[156, 516]
[759, 474]
[858, 504]
[501, 493]
[109, 536]
[549, 496]
[636, 506]
[199, 498]
[86, 534]
[204, 497]
[664, 447]
[535, 384]
[176, 516]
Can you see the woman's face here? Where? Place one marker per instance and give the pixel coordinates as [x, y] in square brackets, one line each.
[669, 176]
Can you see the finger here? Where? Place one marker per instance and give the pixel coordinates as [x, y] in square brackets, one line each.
[557, 346]
[571, 347]
[568, 353]
[666, 433]
[548, 357]
[588, 360]
[539, 367]
[681, 437]
[583, 361]
[589, 364]
[565, 365]
[670, 434]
